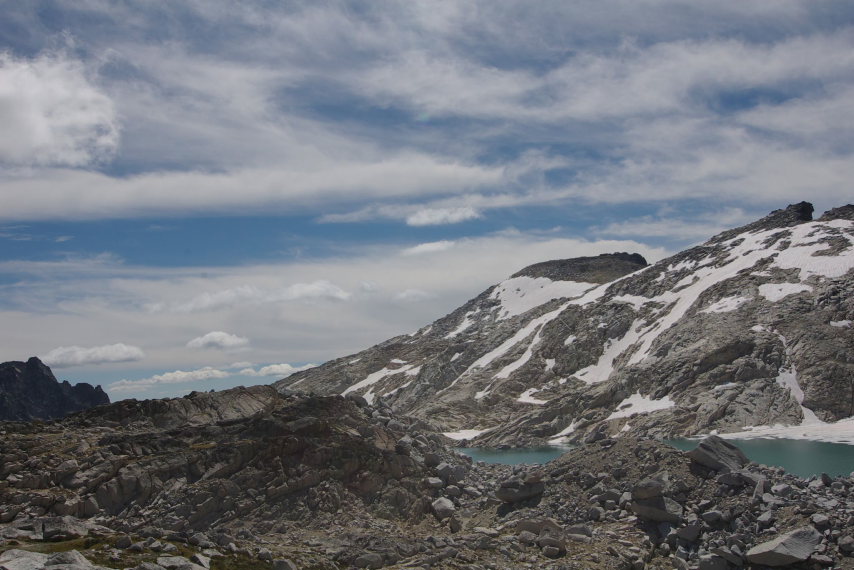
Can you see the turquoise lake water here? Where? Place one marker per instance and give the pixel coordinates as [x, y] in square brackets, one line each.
[798, 457]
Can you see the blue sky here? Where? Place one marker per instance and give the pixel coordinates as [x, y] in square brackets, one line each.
[197, 195]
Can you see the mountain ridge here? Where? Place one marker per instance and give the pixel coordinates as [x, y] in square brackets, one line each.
[730, 334]
[30, 391]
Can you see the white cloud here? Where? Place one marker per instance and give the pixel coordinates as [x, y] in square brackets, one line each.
[439, 216]
[429, 247]
[52, 113]
[176, 377]
[250, 294]
[219, 339]
[66, 356]
[74, 194]
[413, 296]
[279, 370]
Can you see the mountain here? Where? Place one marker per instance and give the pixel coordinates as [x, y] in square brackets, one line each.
[30, 391]
[751, 328]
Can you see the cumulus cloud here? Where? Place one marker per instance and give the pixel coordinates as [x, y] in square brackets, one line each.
[52, 113]
[65, 356]
[250, 294]
[219, 339]
[280, 370]
[176, 377]
[439, 216]
[429, 247]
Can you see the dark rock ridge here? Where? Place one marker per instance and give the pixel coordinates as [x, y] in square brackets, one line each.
[751, 328]
[598, 269]
[30, 391]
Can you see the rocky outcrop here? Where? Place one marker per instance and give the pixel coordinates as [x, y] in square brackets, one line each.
[30, 391]
[748, 329]
[247, 454]
[599, 269]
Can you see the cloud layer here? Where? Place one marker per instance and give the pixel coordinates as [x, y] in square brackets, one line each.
[65, 356]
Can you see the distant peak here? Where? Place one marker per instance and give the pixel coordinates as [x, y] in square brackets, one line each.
[791, 215]
[596, 269]
[841, 213]
[795, 213]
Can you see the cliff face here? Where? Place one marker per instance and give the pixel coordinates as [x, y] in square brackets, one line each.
[30, 391]
[751, 328]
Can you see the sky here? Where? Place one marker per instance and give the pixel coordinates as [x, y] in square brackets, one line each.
[202, 194]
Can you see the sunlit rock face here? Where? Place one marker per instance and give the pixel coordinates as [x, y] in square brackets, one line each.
[751, 328]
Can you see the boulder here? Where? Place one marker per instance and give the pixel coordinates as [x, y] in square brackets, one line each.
[658, 509]
[443, 508]
[63, 528]
[515, 490]
[794, 546]
[647, 489]
[16, 559]
[369, 560]
[718, 454]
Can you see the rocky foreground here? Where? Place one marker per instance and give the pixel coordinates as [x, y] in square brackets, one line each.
[250, 478]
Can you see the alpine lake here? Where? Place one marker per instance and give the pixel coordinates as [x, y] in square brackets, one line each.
[803, 458]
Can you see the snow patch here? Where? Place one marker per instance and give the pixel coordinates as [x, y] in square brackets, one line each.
[637, 404]
[776, 291]
[846, 324]
[550, 364]
[467, 322]
[526, 397]
[787, 377]
[726, 305]
[465, 433]
[570, 339]
[561, 435]
[519, 295]
[836, 432]
[804, 245]
[603, 368]
[375, 377]
[722, 387]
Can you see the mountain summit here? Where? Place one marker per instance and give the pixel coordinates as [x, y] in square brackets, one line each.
[30, 391]
[751, 328]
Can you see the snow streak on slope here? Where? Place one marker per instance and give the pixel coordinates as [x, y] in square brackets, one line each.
[521, 294]
[744, 252]
[505, 346]
[788, 378]
[375, 377]
[637, 404]
[726, 305]
[527, 397]
[603, 368]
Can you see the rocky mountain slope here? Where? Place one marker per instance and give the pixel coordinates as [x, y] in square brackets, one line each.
[751, 328]
[29, 390]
